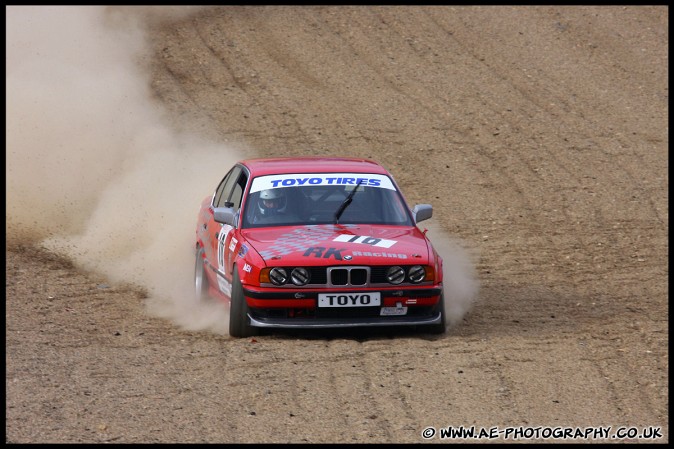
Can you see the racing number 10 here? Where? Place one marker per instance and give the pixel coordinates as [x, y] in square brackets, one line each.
[222, 236]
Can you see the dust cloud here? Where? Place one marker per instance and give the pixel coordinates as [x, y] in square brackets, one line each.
[460, 281]
[94, 172]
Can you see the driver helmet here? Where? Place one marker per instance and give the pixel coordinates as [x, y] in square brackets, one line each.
[271, 202]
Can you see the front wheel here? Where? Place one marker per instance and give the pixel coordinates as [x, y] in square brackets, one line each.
[239, 324]
[200, 279]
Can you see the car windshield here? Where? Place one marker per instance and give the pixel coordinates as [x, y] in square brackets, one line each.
[323, 198]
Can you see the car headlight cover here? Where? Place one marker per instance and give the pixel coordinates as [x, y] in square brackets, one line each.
[278, 276]
[299, 276]
[395, 275]
[417, 273]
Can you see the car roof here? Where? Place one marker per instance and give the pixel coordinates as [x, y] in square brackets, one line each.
[311, 164]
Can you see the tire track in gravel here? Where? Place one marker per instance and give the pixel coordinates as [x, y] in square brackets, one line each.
[551, 83]
[353, 386]
[552, 96]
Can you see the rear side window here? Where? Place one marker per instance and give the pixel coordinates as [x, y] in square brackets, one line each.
[226, 186]
[237, 191]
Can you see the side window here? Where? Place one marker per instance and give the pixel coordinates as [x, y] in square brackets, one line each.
[225, 187]
[237, 192]
[221, 188]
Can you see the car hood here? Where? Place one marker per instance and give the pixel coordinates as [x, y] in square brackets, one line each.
[339, 244]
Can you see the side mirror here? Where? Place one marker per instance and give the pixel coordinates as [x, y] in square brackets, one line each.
[225, 215]
[422, 212]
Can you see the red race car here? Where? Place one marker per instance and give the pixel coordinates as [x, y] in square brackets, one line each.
[316, 242]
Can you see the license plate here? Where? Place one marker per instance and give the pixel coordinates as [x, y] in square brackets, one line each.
[349, 299]
[389, 311]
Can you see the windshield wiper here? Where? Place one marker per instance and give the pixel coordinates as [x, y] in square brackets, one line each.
[346, 202]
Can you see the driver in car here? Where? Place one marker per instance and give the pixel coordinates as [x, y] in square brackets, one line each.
[272, 202]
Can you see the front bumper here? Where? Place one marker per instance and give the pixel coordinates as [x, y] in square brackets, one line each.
[299, 310]
[324, 323]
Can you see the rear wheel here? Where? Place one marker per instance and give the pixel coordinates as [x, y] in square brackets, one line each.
[441, 327]
[239, 324]
[200, 279]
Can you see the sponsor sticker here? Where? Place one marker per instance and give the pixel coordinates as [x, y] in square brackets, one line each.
[243, 249]
[224, 285]
[393, 311]
[222, 236]
[320, 179]
[349, 299]
[365, 240]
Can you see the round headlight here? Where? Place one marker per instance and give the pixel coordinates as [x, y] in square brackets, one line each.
[395, 275]
[416, 274]
[278, 276]
[299, 276]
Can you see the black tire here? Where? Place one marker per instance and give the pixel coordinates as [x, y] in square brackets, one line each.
[200, 278]
[239, 324]
[441, 327]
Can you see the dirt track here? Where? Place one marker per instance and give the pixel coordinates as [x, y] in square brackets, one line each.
[540, 136]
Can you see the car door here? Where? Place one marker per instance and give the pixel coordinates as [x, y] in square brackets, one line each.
[224, 242]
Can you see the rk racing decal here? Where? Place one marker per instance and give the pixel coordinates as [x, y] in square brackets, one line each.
[371, 254]
[299, 239]
[319, 251]
[364, 239]
[320, 179]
